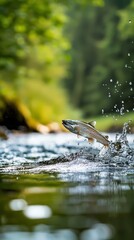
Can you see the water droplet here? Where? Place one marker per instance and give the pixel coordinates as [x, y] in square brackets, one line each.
[127, 110]
[125, 65]
[121, 111]
[102, 111]
[130, 83]
[131, 89]
[128, 54]
[122, 101]
[111, 80]
[116, 90]
[130, 21]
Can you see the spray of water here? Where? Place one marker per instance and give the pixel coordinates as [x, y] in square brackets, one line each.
[119, 150]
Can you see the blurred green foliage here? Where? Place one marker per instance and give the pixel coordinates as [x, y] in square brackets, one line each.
[100, 75]
[48, 45]
[33, 56]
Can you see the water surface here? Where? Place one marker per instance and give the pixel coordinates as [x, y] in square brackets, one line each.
[59, 187]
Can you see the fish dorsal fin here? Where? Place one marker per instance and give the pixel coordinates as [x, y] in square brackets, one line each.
[92, 123]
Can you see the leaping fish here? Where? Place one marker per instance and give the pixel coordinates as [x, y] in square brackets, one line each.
[86, 130]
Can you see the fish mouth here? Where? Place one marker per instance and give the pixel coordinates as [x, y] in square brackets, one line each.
[69, 124]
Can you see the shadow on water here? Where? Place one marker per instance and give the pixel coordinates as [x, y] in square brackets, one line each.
[51, 190]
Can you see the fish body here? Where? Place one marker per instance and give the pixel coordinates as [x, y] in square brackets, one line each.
[86, 130]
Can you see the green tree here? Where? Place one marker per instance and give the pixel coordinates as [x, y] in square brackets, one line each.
[100, 73]
[33, 59]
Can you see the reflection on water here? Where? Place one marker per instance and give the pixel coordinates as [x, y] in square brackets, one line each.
[98, 231]
[37, 211]
[75, 198]
[82, 206]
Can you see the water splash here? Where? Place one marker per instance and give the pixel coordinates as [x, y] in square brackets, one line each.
[119, 150]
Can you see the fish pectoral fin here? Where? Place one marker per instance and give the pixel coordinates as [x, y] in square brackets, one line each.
[91, 140]
[92, 123]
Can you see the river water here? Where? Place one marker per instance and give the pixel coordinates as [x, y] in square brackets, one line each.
[58, 186]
